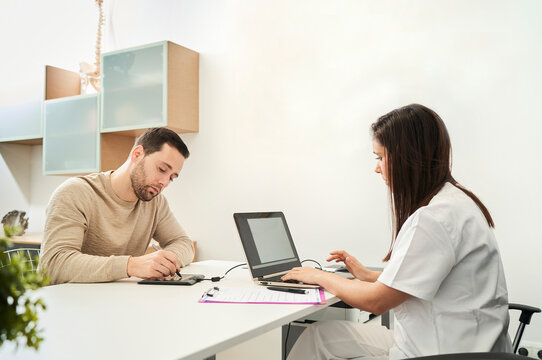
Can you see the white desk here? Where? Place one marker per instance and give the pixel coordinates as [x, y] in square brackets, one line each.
[124, 320]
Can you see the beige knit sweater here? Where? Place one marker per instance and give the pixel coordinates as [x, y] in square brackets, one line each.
[90, 232]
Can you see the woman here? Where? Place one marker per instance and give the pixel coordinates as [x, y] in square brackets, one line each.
[444, 277]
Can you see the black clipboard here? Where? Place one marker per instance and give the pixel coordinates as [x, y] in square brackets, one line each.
[187, 279]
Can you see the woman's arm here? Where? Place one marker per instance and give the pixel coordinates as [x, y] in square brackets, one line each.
[373, 297]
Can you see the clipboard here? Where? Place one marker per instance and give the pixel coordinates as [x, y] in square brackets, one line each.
[261, 295]
[187, 279]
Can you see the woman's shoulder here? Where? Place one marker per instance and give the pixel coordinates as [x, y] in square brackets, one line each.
[451, 198]
[452, 209]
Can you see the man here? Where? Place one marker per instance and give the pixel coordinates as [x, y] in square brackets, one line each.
[99, 226]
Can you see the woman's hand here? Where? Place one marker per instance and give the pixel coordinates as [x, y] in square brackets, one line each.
[306, 275]
[353, 265]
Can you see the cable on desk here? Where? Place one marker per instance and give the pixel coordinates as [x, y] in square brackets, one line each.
[218, 278]
[314, 261]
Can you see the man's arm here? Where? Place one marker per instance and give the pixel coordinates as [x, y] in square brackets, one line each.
[171, 236]
[65, 226]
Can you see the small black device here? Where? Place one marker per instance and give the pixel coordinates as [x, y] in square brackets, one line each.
[336, 268]
[186, 279]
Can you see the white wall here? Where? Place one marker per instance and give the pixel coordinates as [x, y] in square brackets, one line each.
[288, 90]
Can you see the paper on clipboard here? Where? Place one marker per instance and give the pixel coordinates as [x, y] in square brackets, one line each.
[261, 295]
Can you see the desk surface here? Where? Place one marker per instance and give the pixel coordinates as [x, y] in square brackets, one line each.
[125, 320]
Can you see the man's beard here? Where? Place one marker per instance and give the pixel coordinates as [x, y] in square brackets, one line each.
[137, 178]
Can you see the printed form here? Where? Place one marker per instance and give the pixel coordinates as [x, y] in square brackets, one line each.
[261, 295]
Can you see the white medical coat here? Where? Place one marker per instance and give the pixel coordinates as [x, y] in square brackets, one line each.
[447, 258]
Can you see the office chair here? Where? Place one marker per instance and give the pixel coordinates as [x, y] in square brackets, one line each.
[29, 254]
[473, 356]
[524, 320]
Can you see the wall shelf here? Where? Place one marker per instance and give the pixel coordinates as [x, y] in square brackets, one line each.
[150, 86]
[154, 85]
[71, 138]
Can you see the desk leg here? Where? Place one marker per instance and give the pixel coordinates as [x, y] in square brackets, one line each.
[385, 319]
[290, 334]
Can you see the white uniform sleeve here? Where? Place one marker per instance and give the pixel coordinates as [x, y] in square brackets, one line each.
[422, 257]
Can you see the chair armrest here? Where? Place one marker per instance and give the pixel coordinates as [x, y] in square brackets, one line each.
[526, 312]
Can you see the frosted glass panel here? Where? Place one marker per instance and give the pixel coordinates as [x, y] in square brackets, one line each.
[133, 88]
[71, 136]
[21, 122]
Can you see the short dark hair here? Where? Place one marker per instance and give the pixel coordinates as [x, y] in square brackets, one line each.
[153, 139]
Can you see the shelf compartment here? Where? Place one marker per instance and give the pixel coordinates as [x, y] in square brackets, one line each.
[150, 86]
[71, 136]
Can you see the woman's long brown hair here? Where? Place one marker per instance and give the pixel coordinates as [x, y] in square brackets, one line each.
[418, 151]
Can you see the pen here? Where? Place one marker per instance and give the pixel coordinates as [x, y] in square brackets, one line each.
[212, 291]
[290, 290]
[156, 247]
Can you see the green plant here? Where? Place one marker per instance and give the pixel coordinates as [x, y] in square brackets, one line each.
[19, 313]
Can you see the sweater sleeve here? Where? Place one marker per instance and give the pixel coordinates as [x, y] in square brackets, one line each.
[66, 223]
[171, 236]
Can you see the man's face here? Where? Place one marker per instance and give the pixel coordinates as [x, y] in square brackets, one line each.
[153, 173]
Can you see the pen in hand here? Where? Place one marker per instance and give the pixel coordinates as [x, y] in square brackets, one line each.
[290, 290]
[157, 248]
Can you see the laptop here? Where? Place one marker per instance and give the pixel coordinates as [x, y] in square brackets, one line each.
[269, 248]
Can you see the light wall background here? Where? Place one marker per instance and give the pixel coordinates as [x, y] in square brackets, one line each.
[288, 90]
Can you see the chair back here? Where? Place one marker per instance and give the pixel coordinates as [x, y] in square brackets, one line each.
[28, 254]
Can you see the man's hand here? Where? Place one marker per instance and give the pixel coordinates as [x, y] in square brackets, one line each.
[156, 265]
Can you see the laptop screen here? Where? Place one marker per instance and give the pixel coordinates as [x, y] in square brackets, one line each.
[267, 242]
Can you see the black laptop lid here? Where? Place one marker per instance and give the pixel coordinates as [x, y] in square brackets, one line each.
[267, 242]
